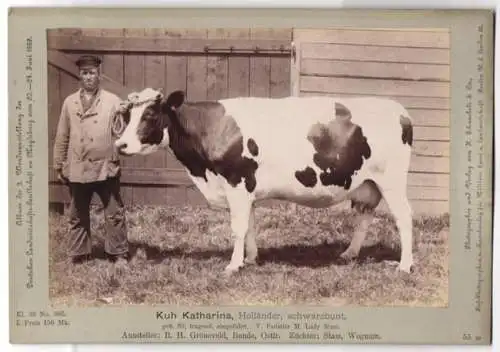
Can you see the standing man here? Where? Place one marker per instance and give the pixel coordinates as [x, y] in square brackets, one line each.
[86, 160]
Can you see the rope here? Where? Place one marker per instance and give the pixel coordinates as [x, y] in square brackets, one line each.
[118, 126]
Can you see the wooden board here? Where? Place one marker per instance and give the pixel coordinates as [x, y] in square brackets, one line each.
[374, 53]
[430, 164]
[217, 69]
[409, 102]
[429, 180]
[196, 71]
[431, 148]
[193, 43]
[347, 68]
[375, 86]
[134, 80]
[113, 63]
[154, 77]
[239, 70]
[436, 38]
[260, 67]
[435, 134]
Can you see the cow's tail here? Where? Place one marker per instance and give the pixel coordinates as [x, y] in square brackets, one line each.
[406, 130]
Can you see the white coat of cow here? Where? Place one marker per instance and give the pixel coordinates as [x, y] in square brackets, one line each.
[314, 151]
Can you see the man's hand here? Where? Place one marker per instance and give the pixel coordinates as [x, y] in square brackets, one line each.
[61, 178]
[124, 106]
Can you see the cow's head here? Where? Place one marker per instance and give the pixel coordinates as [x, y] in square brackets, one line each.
[146, 118]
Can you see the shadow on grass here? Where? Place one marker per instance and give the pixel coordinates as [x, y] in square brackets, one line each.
[302, 256]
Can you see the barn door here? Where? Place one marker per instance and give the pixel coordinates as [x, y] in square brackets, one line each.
[411, 66]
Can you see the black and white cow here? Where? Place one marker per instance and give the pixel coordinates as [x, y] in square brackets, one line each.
[313, 151]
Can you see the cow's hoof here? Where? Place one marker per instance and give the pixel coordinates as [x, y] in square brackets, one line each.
[231, 270]
[347, 256]
[407, 268]
[250, 261]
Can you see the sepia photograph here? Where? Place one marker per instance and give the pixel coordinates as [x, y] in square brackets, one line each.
[249, 166]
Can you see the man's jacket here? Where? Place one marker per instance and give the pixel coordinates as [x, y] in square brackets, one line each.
[84, 146]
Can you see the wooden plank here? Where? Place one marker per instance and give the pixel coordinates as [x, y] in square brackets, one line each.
[437, 134]
[239, 70]
[176, 196]
[134, 80]
[160, 177]
[428, 193]
[176, 79]
[196, 72]
[282, 34]
[280, 77]
[375, 86]
[341, 68]
[113, 63]
[58, 194]
[375, 53]
[184, 44]
[146, 176]
[429, 180]
[434, 103]
[69, 32]
[429, 164]
[440, 118]
[154, 77]
[260, 67]
[95, 33]
[68, 84]
[217, 68]
[429, 148]
[395, 38]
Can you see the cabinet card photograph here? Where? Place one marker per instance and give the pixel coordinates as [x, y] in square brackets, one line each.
[252, 181]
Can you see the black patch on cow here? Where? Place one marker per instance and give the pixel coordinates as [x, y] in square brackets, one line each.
[407, 133]
[307, 177]
[150, 129]
[340, 148]
[253, 148]
[203, 138]
[366, 197]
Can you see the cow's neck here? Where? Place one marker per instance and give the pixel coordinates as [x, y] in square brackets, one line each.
[185, 143]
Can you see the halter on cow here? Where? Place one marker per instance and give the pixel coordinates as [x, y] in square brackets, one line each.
[313, 151]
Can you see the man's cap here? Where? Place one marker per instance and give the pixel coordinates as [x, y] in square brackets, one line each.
[88, 60]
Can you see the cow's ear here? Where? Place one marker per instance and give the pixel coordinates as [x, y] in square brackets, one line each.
[175, 99]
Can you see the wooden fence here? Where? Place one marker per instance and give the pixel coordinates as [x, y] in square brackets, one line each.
[411, 66]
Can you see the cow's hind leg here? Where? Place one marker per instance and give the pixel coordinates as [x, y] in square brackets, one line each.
[364, 200]
[363, 221]
[398, 204]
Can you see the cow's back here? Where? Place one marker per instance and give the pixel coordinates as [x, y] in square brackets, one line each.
[280, 126]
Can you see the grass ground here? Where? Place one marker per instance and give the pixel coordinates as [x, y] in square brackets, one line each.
[180, 252]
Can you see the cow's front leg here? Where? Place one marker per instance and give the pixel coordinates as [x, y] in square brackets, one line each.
[250, 242]
[240, 209]
[363, 222]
